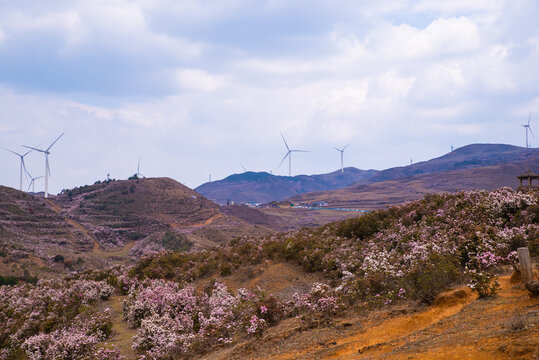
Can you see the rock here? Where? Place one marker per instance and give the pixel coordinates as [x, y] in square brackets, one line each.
[533, 287]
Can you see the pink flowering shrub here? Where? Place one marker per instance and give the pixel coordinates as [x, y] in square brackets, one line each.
[256, 325]
[319, 306]
[172, 320]
[52, 317]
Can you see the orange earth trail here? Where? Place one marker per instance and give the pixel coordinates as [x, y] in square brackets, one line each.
[200, 224]
[458, 326]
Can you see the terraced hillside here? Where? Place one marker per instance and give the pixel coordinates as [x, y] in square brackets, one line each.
[32, 233]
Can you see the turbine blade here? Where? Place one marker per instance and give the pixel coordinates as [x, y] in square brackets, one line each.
[285, 142]
[529, 119]
[54, 142]
[11, 151]
[336, 148]
[345, 146]
[529, 127]
[282, 161]
[33, 148]
[243, 167]
[300, 151]
[29, 186]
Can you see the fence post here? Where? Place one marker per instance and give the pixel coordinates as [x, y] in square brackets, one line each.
[525, 264]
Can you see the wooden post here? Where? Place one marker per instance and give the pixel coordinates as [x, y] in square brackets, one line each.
[525, 264]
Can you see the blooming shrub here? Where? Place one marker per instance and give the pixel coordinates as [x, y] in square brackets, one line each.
[53, 317]
[483, 284]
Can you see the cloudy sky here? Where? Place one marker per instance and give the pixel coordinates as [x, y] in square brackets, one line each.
[200, 87]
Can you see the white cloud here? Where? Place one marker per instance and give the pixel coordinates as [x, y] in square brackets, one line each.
[162, 78]
[198, 80]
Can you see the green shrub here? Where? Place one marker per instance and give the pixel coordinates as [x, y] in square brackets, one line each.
[482, 283]
[8, 280]
[431, 277]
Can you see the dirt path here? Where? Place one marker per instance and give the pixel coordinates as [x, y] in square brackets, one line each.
[57, 209]
[122, 336]
[458, 326]
[200, 224]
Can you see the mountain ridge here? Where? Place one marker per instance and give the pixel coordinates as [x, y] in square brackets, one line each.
[262, 187]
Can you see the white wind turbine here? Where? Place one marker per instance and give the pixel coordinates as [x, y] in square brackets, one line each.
[289, 154]
[47, 168]
[32, 183]
[528, 127]
[342, 155]
[23, 166]
[243, 167]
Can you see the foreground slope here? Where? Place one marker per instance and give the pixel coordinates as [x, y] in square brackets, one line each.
[360, 286]
[263, 187]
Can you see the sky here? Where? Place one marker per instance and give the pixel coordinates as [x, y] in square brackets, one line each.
[196, 88]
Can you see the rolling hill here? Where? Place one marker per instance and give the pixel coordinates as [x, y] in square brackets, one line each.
[263, 187]
[466, 157]
[393, 186]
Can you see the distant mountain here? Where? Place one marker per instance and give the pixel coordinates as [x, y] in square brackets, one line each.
[263, 187]
[462, 169]
[466, 157]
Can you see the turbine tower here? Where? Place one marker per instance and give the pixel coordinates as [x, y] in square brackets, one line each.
[139, 175]
[289, 154]
[47, 168]
[23, 166]
[342, 155]
[528, 127]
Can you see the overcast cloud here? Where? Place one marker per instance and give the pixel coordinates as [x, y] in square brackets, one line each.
[198, 87]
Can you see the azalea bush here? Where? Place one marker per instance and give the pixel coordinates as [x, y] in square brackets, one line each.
[174, 320]
[53, 319]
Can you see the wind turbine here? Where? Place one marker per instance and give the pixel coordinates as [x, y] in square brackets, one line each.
[47, 169]
[289, 154]
[527, 127]
[32, 182]
[23, 166]
[342, 155]
[243, 167]
[138, 168]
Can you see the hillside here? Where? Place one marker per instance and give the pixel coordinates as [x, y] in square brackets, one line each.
[377, 194]
[388, 284]
[466, 157]
[262, 187]
[156, 213]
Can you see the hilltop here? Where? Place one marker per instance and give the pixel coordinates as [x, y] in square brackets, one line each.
[156, 213]
[107, 223]
[262, 187]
